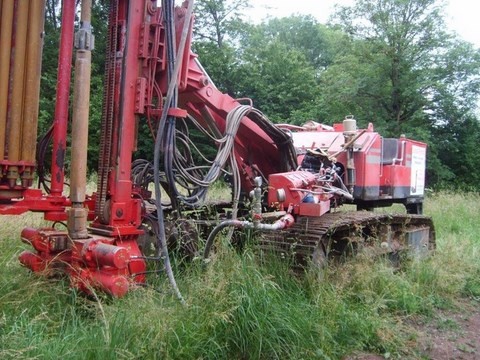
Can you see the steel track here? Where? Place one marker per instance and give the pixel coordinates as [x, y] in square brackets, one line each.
[337, 234]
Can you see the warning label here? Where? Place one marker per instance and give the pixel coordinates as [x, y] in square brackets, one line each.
[417, 180]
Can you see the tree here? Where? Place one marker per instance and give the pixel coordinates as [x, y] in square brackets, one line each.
[217, 20]
[221, 64]
[385, 61]
[405, 68]
[281, 63]
[280, 81]
[218, 25]
[353, 85]
[302, 33]
[400, 38]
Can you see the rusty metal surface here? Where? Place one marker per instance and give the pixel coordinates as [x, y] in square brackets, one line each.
[62, 97]
[18, 75]
[6, 22]
[81, 103]
[32, 78]
[107, 113]
[335, 234]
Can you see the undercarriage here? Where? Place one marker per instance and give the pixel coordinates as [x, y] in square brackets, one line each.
[342, 233]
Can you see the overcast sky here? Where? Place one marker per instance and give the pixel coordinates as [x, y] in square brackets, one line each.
[462, 16]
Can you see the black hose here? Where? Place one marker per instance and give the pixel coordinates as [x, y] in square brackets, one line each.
[42, 146]
[167, 6]
[216, 230]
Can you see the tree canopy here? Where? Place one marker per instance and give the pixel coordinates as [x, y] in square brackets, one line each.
[390, 62]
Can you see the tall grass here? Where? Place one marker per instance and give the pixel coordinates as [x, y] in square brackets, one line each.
[239, 309]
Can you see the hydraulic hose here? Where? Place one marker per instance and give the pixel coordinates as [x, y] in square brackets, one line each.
[168, 7]
[284, 222]
[220, 227]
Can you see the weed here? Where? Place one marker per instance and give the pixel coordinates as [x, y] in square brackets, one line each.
[241, 307]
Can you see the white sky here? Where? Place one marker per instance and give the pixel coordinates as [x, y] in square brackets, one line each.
[462, 16]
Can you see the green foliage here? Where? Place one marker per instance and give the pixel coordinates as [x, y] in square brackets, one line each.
[457, 146]
[281, 61]
[407, 75]
[302, 33]
[49, 73]
[221, 64]
[283, 80]
[354, 85]
[397, 39]
[389, 62]
[218, 20]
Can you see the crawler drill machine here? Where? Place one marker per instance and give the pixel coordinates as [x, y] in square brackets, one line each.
[287, 182]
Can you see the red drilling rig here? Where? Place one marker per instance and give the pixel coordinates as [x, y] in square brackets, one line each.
[153, 77]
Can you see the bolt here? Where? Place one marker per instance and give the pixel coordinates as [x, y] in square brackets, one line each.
[119, 213]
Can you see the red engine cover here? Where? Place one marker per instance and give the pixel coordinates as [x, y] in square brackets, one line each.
[282, 187]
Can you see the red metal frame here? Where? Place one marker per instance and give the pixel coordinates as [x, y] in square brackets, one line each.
[254, 149]
[110, 258]
[62, 97]
[20, 199]
[95, 263]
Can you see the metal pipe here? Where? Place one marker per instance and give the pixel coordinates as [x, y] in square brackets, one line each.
[86, 12]
[257, 201]
[17, 95]
[81, 104]
[6, 22]
[63, 90]
[402, 153]
[284, 222]
[221, 226]
[351, 174]
[32, 86]
[350, 134]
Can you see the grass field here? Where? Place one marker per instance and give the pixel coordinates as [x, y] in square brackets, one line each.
[237, 309]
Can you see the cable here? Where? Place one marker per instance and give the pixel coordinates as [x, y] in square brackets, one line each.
[167, 6]
[225, 154]
[217, 229]
[41, 152]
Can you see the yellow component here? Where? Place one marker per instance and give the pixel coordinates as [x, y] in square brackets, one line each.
[18, 77]
[6, 21]
[32, 78]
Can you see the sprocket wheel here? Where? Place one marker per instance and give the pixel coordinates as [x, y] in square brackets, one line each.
[182, 237]
[181, 234]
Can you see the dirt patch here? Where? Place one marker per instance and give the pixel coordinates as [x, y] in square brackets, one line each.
[451, 334]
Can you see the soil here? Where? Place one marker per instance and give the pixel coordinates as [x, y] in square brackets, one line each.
[449, 335]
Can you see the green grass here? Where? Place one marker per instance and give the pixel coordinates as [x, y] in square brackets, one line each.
[239, 309]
